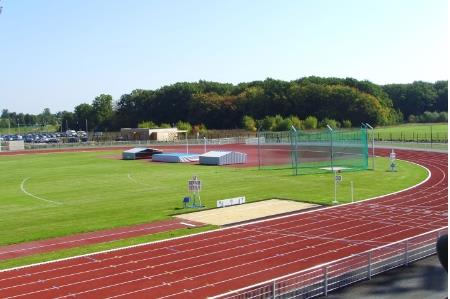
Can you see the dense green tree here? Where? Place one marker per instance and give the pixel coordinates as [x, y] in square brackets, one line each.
[84, 113]
[102, 111]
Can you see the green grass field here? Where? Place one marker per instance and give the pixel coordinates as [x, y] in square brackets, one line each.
[413, 132]
[93, 191]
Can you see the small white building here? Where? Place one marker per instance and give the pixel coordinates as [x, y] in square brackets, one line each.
[222, 158]
[166, 134]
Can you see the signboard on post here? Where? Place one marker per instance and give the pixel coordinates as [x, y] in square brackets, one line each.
[393, 164]
[194, 185]
[231, 202]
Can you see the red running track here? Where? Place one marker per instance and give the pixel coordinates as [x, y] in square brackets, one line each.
[107, 235]
[216, 262]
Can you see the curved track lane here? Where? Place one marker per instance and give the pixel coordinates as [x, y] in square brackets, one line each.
[216, 262]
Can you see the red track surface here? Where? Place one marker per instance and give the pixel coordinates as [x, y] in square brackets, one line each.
[29, 248]
[219, 261]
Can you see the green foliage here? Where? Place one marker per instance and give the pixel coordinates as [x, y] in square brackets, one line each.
[334, 124]
[268, 123]
[182, 125]
[346, 123]
[223, 106]
[429, 117]
[102, 111]
[418, 97]
[165, 126]
[249, 123]
[83, 113]
[296, 122]
[284, 125]
[147, 125]
[310, 122]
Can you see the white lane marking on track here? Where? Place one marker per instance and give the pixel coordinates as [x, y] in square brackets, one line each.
[22, 187]
[188, 224]
[89, 238]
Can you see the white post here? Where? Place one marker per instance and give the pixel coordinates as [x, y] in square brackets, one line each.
[187, 143]
[351, 187]
[335, 188]
[332, 150]
[274, 294]
[204, 143]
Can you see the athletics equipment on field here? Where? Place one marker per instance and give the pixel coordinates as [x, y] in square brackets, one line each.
[314, 151]
[195, 186]
[175, 158]
[140, 153]
[222, 158]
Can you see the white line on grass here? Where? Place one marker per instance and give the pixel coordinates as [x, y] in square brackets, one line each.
[139, 183]
[22, 187]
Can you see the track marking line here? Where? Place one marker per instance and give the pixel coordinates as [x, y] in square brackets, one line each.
[22, 187]
[90, 238]
[188, 224]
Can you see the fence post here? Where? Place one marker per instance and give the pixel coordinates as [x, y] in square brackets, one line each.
[274, 289]
[325, 281]
[369, 265]
[431, 136]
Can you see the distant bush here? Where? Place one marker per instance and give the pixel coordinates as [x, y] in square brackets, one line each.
[296, 122]
[310, 122]
[334, 124]
[147, 125]
[248, 123]
[346, 123]
[181, 125]
[429, 117]
[268, 123]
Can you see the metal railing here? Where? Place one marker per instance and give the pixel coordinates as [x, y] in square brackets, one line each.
[112, 144]
[321, 279]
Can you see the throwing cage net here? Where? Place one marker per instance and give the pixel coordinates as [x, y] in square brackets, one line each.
[307, 152]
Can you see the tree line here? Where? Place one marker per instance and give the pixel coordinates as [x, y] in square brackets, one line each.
[227, 106]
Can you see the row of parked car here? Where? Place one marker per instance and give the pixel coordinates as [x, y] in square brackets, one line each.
[68, 136]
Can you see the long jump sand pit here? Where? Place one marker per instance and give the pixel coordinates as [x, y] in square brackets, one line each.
[246, 212]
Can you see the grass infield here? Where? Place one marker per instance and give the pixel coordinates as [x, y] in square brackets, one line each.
[413, 132]
[52, 195]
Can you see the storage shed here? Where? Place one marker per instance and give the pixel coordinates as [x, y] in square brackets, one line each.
[222, 158]
[140, 153]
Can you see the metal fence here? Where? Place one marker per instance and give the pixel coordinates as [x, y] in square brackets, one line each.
[136, 143]
[319, 280]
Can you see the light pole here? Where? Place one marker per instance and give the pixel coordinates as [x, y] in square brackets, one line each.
[331, 139]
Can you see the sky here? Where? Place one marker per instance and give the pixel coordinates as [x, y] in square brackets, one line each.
[58, 54]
